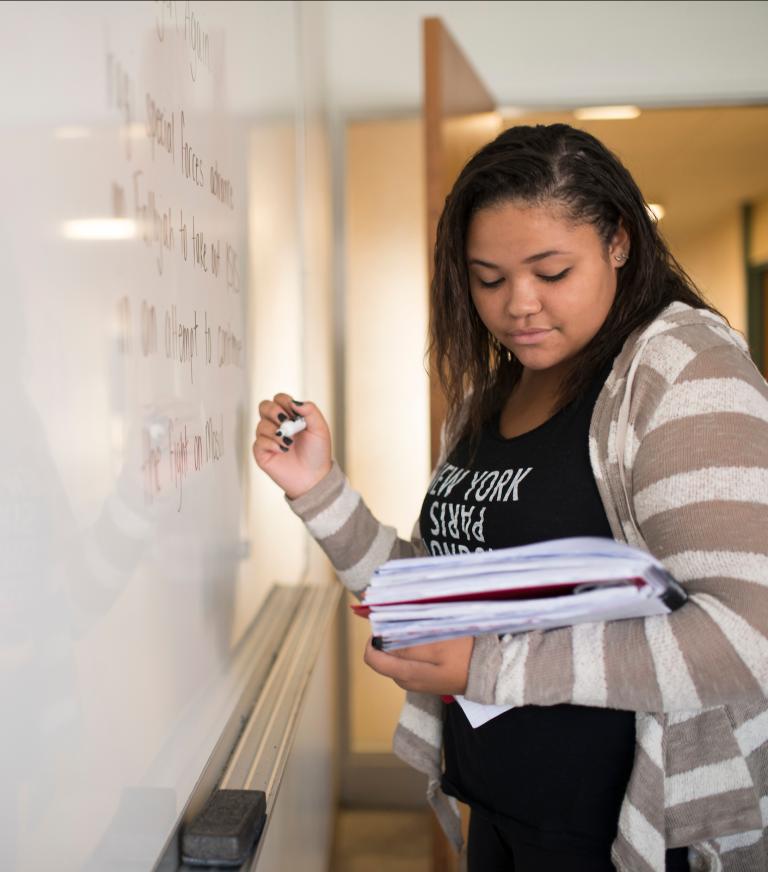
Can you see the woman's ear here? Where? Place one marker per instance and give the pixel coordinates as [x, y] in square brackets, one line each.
[618, 248]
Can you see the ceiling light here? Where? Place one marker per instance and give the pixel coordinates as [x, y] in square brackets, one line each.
[606, 113]
[657, 211]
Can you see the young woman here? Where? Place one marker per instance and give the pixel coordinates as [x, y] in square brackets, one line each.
[585, 372]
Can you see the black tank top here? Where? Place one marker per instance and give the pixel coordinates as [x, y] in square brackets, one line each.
[558, 773]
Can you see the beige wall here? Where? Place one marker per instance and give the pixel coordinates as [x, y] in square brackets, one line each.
[291, 349]
[291, 316]
[714, 260]
[386, 387]
[276, 354]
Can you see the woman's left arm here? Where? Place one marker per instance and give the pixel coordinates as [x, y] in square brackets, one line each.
[700, 497]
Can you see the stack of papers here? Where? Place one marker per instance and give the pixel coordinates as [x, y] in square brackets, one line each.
[513, 590]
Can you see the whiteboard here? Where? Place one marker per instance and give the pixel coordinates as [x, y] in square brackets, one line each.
[128, 576]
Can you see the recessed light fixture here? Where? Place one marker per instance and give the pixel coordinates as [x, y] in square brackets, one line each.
[657, 211]
[606, 113]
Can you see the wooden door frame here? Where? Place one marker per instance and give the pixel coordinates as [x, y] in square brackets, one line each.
[757, 295]
[452, 88]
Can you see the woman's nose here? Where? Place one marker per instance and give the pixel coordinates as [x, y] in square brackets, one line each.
[522, 300]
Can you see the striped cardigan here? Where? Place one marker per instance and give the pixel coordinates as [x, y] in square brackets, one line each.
[679, 449]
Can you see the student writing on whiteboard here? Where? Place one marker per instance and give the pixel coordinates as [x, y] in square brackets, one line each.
[591, 391]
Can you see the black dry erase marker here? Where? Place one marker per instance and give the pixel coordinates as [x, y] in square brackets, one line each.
[378, 643]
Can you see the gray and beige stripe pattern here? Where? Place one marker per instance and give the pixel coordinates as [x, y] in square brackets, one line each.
[679, 450]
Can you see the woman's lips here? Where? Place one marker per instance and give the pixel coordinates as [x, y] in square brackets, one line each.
[529, 337]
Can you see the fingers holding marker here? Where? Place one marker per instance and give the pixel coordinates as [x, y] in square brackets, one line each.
[290, 407]
[290, 427]
[289, 422]
[295, 460]
[267, 438]
[280, 422]
[313, 417]
[275, 412]
[288, 417]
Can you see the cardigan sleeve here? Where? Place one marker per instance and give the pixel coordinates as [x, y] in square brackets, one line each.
[344, 527]
[342, 524]
[698, 457]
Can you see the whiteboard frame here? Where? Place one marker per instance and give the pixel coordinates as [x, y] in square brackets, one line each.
[282, 647]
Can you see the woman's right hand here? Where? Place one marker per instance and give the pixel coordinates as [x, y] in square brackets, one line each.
[296, 463]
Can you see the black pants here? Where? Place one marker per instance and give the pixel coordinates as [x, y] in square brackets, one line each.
[492, 849]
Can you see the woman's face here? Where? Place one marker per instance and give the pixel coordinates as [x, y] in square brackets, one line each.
[542, 285]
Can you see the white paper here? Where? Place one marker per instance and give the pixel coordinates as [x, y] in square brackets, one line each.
[478, 714]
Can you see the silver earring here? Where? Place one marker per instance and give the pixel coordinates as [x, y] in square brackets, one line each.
[620, 258]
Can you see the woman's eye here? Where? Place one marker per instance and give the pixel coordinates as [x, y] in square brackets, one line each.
[556, 278]
[493, 284]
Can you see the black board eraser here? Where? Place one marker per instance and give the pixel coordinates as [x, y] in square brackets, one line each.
[226, 830]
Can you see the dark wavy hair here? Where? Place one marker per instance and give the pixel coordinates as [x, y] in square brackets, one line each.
[543, 165]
